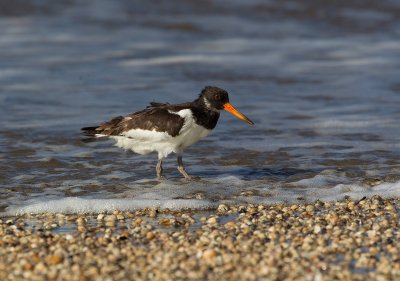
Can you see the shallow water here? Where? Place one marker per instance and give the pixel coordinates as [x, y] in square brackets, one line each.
[319, 80]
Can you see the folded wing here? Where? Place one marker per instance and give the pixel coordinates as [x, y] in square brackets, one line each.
[157, 117]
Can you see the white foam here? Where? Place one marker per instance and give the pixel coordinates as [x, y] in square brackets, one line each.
[338, 192]
[317, 181]
[81, 205]
[169, 195]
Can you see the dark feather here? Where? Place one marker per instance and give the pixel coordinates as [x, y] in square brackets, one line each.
[89, 131]
[157, 117]
[158, 104]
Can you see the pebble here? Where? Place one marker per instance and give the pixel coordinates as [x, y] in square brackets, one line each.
[209, 255]
[81, 220]
[310, 208]
[230, 224]
[54, 259]
[110, 218]
[212, 220]
[100, 217]
[222, 208]
[317, 229]
[150, 235]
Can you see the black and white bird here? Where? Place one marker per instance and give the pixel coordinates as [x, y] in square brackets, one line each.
[165, 128]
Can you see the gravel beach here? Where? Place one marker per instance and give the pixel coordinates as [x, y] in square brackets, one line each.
[347, 240]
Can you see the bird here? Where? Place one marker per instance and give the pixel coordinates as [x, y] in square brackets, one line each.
[167, 128]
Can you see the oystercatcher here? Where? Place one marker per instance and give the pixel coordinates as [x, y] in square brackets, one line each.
[166, 128]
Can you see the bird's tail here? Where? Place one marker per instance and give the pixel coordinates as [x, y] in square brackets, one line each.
[90, 133]
[103, 130]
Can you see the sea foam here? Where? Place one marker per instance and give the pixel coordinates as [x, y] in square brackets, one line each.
[202, 195]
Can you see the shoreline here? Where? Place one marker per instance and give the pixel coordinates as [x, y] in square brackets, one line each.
[350, 239]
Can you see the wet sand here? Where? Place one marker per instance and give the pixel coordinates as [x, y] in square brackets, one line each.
[348, 240]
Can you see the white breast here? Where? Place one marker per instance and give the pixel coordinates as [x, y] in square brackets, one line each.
[190, 132]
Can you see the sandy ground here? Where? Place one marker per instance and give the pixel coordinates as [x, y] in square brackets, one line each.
[349, 240]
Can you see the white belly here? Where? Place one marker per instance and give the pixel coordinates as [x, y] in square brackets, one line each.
[191, 135]
[143, 141]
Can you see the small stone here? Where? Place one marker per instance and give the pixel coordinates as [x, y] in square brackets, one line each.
[152, 213]
[110, 223]
[222, 208]
[81, 228]
[40, 267]
[150, 235]
[27, 266]
[100, 217]
[166, 221]
[54, 259]
[212, 220]
[81, 220]
[310, 208]
[110, 218]
[137, 221]
[230, 224]
[374, 207]
[209, 255]
[390, 208]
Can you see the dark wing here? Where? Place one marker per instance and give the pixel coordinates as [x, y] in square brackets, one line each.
[156, 117]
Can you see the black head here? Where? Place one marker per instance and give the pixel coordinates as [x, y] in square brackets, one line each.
[214, 98]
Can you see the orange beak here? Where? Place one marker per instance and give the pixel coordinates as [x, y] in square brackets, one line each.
[228, 107]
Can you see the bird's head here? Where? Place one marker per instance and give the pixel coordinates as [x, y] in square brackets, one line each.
[214, 98]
